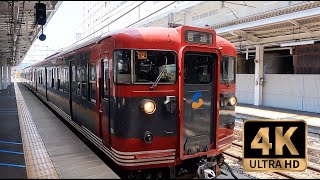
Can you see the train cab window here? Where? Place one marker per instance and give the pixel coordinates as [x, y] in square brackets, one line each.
[122, 66]
[227, 69]
[92, 82]
[84, 82]
[198, 68]
[153, 65]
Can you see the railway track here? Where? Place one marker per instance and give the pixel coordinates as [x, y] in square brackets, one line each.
[315, 170]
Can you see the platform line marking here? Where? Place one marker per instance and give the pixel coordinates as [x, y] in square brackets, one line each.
[12, 165]
[9, 142]
[11, 152]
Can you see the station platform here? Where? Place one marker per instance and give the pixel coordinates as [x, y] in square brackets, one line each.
[12, 162]
[48, 148]
[312, 119]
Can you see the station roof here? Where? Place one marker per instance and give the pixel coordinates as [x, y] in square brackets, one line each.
[296, 22]
[300, 22]
[18, 29]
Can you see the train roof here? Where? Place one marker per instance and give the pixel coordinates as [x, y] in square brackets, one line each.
[126, 31]
[227, 46]
[103, 36]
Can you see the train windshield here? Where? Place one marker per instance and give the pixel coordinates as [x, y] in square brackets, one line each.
[149, 66]
[227, 70]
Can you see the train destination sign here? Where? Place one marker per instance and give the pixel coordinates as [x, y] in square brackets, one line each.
[271, 145]
[198, 37]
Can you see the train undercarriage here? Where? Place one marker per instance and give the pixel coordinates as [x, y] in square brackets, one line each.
[196, 168]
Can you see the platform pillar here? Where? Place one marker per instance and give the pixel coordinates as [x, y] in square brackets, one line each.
[9, 74]
[1, 83]
[258, 76]
[5, 75]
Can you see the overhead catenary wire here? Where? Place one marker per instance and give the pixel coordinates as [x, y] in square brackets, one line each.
[109, 23]
[124, 15]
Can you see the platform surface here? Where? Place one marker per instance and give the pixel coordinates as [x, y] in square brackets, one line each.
[52, 150]
[312, 119]
[12, 163]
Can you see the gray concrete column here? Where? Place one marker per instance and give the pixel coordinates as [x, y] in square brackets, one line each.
[1, 83]
[5, 74]
[9, 75]
[258, 76]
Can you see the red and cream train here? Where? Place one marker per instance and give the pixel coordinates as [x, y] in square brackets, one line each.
[147, 97]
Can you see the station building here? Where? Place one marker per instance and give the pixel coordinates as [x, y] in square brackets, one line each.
[278, 63]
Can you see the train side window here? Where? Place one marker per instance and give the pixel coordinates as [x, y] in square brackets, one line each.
[66, 82]
[122, 66]
[227, 69]
[73, 80]
[78, 80]
[52, 80]
[48, 77]
[92, 82]
[58, 79]
[106, 79]
[61, 79]
[40, 77]
[84, 82]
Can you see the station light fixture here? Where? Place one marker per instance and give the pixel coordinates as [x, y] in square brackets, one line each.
[296, 43]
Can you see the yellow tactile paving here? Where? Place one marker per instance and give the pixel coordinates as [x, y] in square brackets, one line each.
[38, 163]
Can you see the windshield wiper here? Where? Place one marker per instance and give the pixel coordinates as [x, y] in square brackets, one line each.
[158, 79]
[159, 76]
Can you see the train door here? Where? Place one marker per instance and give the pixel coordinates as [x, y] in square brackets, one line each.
[105, 102]
[73, 90]
[198, 99]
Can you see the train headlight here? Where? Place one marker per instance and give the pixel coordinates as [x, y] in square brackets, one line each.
[232, 101]
[148, 106]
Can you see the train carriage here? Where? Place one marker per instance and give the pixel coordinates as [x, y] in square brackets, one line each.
[147, 97]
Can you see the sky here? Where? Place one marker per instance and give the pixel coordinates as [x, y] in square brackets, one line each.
[61, 28]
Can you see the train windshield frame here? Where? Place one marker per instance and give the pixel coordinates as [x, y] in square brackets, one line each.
[144, 66]
[228, 69]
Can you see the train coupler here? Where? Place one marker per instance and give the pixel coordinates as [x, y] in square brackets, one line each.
[205, 170]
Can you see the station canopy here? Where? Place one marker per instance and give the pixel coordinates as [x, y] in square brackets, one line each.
[18, 29]
[296, 23]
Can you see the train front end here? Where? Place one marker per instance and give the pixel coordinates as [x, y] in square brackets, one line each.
[168, 100]
[199, 102]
